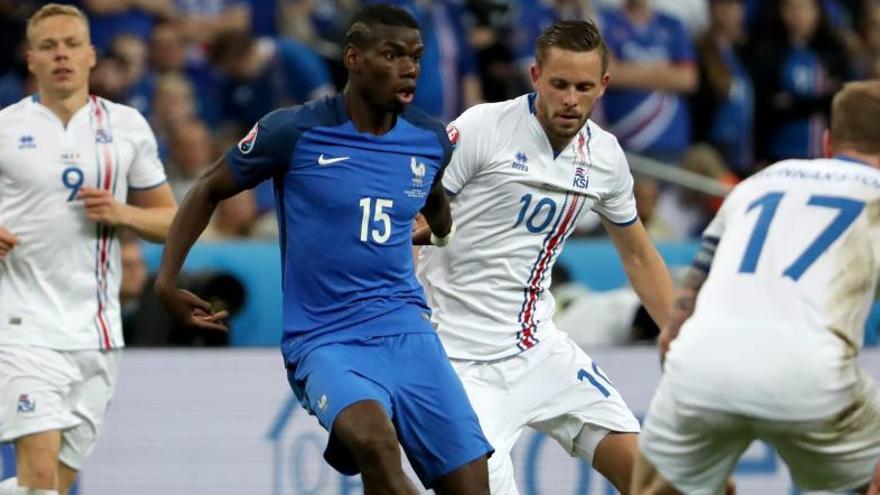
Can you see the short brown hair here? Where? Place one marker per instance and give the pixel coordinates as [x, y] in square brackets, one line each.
[51, 10]
[855, 112]
[575, 36]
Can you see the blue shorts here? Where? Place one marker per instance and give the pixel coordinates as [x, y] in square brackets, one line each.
[410, 376]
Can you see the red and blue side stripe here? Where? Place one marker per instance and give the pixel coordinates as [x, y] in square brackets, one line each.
[107, 169]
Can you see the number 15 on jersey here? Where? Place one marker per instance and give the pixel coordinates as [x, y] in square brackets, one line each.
[376, 208]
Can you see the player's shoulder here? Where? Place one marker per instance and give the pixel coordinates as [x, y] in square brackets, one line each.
[422, 119]
[489, 115]
[14, 111]
[319, 112]
[123, 116]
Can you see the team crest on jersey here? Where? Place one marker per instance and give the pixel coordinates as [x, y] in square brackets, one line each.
[581, 181]
[452, 134]
[247, 143]
[103, 137]
[519, 161]
[26, 404]
[26, 142]
[418, 169]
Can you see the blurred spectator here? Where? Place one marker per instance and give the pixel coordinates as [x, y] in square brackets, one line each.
[799, 62]
[449, 82]
[107, 79]
[168, 54]
[693, 14]
[172, 105]
[265, 74]
[647, 193]
[652, 68]
[133, 282]
[201, 21]
[723, 106]
[192, 152]
[110, 18]
[534, 16]
[866, 57]
[685, 212]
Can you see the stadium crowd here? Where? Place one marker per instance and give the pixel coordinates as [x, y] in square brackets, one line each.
[720, 88]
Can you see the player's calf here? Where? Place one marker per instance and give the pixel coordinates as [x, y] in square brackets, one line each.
[614, 457]
[36, 459]
[366, 431]
[646, 480]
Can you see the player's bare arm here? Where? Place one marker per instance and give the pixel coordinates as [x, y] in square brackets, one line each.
[7, 242]
[644, 267]
[686, 299]
[148, 213]
[190, 221]
[436, 213]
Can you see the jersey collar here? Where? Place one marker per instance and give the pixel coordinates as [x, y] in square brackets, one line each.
[847, 158]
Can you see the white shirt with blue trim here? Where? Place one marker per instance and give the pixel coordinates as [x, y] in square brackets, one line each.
[514, 205]
[780, 319]
[59, 287]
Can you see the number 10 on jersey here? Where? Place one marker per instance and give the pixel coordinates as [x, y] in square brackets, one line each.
[376, 208]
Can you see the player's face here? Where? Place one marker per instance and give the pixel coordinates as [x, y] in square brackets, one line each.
[568, 84]
[60, 54]
[389, 67]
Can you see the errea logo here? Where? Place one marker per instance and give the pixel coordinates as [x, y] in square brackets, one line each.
[26, 142]
[519, 161]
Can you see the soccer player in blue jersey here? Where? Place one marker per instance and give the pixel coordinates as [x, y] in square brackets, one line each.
[350, 174]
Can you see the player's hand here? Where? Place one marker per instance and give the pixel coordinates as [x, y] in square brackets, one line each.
[190, 309]
[421, 234]
[7, 242]
[101, 206]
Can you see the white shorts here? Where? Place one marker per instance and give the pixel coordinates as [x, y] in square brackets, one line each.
[696, 449]
[43, 389]
[555, 388]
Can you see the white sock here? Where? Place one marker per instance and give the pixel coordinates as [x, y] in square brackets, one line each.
[9, 486]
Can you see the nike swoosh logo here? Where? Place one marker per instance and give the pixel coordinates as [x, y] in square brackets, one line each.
[330, 161]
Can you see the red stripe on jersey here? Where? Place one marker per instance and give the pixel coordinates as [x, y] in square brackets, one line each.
[103, 231]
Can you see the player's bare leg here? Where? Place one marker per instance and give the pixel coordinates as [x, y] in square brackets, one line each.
[66, 477]
[470, 479]
[647, 481]
[874, 488]
[614, 458]
[36, 458]
[366, 431]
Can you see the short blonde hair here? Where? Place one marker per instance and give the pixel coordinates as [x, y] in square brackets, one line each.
[51, 10]
[855, 112]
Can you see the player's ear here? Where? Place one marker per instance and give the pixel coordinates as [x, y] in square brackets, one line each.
[827, 152]
[535, 72]
[352, 58]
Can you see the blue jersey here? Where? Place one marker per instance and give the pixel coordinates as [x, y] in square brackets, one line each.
[803, 74]
[650, 121]
[294, 75]
[346, 203]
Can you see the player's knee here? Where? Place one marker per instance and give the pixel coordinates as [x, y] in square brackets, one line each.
[375, 448]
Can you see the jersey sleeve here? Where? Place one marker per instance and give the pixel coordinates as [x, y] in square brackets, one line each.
[147, 171]
[471, 144]
[619, 205]
[266, 150]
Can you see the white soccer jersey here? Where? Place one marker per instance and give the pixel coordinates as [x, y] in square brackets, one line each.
[59, 287]
[514, 205]
[780, 319]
